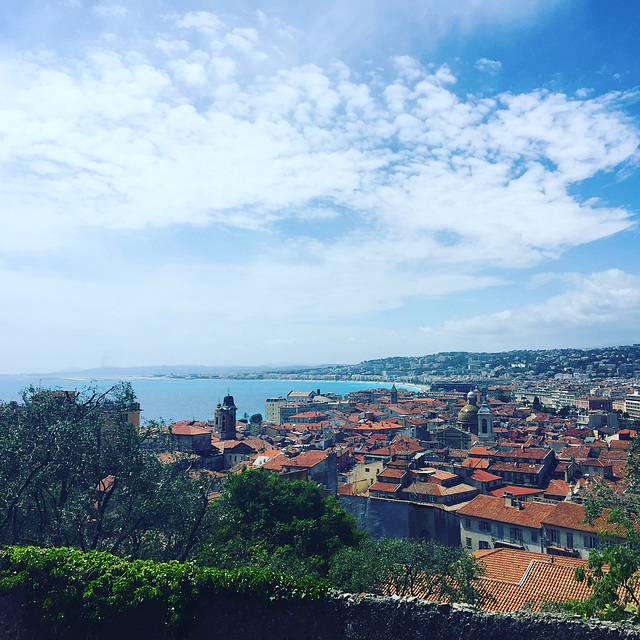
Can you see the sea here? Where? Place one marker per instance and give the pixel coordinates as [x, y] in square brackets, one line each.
[172, 399]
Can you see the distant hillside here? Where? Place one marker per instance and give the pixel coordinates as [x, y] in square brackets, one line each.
[168, 370]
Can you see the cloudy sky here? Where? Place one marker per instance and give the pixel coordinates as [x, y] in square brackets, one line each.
[239, 183]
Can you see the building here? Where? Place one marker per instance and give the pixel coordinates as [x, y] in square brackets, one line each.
[485, 422]
[468, 416]
[488, 523]
[225, 419]
[316, 466]
[272, 409]
[567, 533]
[191, 437]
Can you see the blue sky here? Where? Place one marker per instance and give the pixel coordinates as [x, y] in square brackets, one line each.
[248, 182]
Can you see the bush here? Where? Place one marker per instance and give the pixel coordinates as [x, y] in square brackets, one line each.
[74, 588]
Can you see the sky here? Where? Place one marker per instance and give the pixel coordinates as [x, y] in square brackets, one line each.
[264, 182]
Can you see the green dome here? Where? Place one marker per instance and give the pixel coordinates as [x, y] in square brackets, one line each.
[468, 415]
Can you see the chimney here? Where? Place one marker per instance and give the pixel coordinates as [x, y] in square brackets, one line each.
[508, 499]
[519, 506]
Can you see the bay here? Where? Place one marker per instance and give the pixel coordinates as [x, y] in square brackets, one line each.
[172, 399]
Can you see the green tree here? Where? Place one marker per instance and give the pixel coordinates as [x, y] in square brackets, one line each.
[612, 569]
[73, 473]
[256, 419]
[408, 567]
[266, 520]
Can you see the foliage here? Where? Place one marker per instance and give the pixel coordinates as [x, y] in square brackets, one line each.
[73, 473]
[256, 418]
[77, 588]
[408, 567]
[266, 520]
[613, 569]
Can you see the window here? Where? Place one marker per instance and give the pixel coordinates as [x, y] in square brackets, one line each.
[484, 425]
[500, 531]
[467, 523]
[570, 540]
[485, 526]
[515, 534]
[591, 542]
[469, 543]
[483, 544]
[366, 469]
[553, 536]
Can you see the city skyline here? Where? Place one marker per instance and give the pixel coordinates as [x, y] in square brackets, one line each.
[229, 184]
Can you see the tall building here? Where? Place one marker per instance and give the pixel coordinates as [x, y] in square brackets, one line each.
[485, 422]
[225, 419]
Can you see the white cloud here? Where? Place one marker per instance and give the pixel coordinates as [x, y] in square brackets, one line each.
[119, 141]
[490, 66]
[110, 11]
[361, 191]
[607, 298]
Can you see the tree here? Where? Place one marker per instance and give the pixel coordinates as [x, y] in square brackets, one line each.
[256, 419]
[73, 473]
[613, 569]
[408, 567]
[266, 520]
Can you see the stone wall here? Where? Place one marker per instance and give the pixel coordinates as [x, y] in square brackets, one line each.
[385, 518]
[337, 617]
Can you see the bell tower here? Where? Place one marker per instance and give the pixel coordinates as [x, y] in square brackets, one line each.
[485, 422]
[225, 419]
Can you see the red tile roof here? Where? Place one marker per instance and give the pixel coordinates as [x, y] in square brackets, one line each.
[189, 430]
[307, 459]
[531, 514]
[572, 516]
[484, 476]
[515, 578]
[387, 487]
[392, 473]
[516, 491]
[516, 467]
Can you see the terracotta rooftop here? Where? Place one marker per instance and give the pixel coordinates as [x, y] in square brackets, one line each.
[572, 516]
[529, 453]
[307, 459]
[392, 473]
[516, 491]
[388, 487]
[189, 430]
[516, 467]
[530, 514]
[516, 578]
[484, 476]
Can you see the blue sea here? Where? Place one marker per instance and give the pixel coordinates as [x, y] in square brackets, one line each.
[179, 399]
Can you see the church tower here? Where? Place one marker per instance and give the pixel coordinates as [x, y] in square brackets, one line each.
[485, 422]
[393, 395]
[225, 419]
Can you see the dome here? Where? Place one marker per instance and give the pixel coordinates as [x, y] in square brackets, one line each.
[468, 413]
[228, 403]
